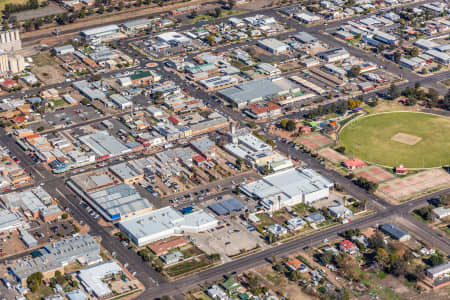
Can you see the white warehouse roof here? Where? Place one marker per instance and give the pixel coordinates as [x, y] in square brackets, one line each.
[165, 222]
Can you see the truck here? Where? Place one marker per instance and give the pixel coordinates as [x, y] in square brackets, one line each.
[6, 282]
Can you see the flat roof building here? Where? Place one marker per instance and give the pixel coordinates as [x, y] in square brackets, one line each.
[10, 220]
[120, 101]
[103, 144]
[119, 202]
[305, 37]
[289, 187]
[82, 248]
[258, 90]
[135, 25]
[442, 270]
[92, 278]
[101, 33]
[165, 222]
[273, 46]
[127, 173]
[334, 55]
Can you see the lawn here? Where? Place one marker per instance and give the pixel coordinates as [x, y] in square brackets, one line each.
[188, 266]
[224, 14]
[4, 2]
[58, 103]
[370, 139]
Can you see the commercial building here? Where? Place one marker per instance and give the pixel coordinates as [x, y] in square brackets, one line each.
[173, 38]
[104, 145]
[136, 25]
[259, 90]
[93, 278]
[426, 44]
[305, 37]
[121, 101]
[436, 272]
[127, 173]
[99, 34]
[268, 69]
[289, 187]
[334, 55]
[63, 50]
[218, 82]
[165, 222]
[273, 46]
[11, 220]
[28, 239]
[161, 247]
[81, 248]
[118, 202]
[31, 201]
[441, 57]
[226, 206]
[262, 111]
[385, 38]
[395, 232]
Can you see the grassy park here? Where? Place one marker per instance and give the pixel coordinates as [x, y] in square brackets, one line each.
[413, 139]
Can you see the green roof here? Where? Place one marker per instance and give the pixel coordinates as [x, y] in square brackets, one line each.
[200, 68]
[230, 284]
[141, 74]
[243, 296]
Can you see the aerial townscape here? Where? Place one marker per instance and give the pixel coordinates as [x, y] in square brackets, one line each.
[225, 149]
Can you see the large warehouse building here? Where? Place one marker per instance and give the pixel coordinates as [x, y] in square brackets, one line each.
[259, 90]
[165, 222]
[102, 33]
[289, 187]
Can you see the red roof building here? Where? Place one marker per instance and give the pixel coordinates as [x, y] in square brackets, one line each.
[401, 170]
[263, 111]
[348, 246]
[199, 159]
[162, 247]
[305, 129]
[174, 120]
[19, 119]
[353, 163]
[294, 264]
[8, 84]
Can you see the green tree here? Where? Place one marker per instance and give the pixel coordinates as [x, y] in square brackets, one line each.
[294, 275]
[354, 71]
[436, 259]
[217, 12]
[290, 125]
[393, 91]
[34, 281]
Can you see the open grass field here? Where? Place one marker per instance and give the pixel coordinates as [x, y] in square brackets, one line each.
[4, 2]
[224, 14]
[375, 139]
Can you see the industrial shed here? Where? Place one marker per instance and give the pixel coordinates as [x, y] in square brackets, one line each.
[226, 206]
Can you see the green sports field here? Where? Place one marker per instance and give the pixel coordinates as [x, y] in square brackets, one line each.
[425, 139]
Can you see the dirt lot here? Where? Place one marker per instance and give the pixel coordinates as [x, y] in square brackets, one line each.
[277, 282]
[227, 241]
[46, 69]
[400, 189]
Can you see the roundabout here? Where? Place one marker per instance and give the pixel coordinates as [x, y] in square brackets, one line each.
[413, 139]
